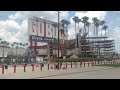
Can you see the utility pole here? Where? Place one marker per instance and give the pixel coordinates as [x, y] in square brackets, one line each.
[58, 36]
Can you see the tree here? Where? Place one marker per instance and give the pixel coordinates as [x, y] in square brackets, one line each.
[23, 45]
[17, 45]
[63, 25]
[88, 24]
[84, 21]
[75, 19]
[12, 45]
[64, 22]
[4, 46]
[20, 44]
[27, 44]
[102, 23]
[95, 20]
[0, 39]
[79, 20]
[105, 28]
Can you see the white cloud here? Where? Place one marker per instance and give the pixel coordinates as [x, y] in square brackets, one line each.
[8, 24]
[17, 15]
[24, 26]
[71, 33]
[50, 15]
[116, 33]
[12, 31]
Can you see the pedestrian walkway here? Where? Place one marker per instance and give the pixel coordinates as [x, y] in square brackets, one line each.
[29, 73]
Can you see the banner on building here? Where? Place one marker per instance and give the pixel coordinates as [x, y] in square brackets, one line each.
[46, 29]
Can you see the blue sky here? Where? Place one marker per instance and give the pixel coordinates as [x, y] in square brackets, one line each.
[13, 24]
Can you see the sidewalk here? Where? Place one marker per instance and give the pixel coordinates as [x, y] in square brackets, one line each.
[37, 73]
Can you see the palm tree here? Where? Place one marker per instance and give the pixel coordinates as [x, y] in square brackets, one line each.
[79, 20]
[17, 45]
[84, 21]
[65, 22]
[20, 44]
[27, 44]
[12, 45]
[4, 45]
[63, 25]
[105, 28]
[97, 25]
[0, 39]
[23, 45]
[95, 20]
[88, 24]
[102, 23]
[75, 19]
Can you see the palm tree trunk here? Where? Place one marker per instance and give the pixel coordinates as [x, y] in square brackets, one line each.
[88, 41]
[78, 40]
[84, 27]
[75, 29]
[75, 37]
[101, 32]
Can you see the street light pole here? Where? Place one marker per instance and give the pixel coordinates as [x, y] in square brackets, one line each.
[58, 36]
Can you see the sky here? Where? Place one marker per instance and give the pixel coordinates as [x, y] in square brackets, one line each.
[14, 24]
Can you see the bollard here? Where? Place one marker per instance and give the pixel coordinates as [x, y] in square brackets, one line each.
[76, 64]
[41, 67]
[2, 69]
[92, 63]
[32, 67]
[80, 64]
[54, 66]
[24, 68]
[101, 62]
[60, 66]
[51, 67]
[48, 66]
[95, 63]
[84, 63]
[71, 64]
[66, 65]
[88, 63]
[14, 68]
